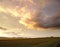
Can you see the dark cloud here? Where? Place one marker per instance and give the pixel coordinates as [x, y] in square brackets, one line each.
[47, 14]
[50, 15]
[3, 28]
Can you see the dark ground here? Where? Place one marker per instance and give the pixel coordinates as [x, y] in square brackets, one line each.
[30, 42]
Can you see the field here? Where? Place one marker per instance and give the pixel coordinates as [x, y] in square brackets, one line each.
[30, 42]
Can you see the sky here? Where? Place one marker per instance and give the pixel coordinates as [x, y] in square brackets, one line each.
[21, 18]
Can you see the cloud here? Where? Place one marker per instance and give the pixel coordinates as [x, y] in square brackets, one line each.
[11, 33]
[2, 28]
[32, 13]
[46, 16]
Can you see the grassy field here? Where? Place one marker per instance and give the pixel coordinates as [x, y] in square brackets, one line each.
[30, 42]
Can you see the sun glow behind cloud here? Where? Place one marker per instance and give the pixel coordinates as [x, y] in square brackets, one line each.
[16, 13]
[25, 12]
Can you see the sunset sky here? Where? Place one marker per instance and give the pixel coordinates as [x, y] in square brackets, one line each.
[15, 12]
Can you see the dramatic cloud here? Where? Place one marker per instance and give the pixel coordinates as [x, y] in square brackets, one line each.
[45, 15]
[33, 13]
[16, 15]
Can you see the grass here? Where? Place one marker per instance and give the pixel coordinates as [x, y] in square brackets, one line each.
[30, 42]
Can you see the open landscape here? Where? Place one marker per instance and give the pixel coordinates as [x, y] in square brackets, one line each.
[30, 42]
[29, 23]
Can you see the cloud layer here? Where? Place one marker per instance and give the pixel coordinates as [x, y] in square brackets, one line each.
[45, 15]
[33, 13]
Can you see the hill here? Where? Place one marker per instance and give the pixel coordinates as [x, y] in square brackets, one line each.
[30, 42]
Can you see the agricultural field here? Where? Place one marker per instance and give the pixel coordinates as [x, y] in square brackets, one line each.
[30, 42]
